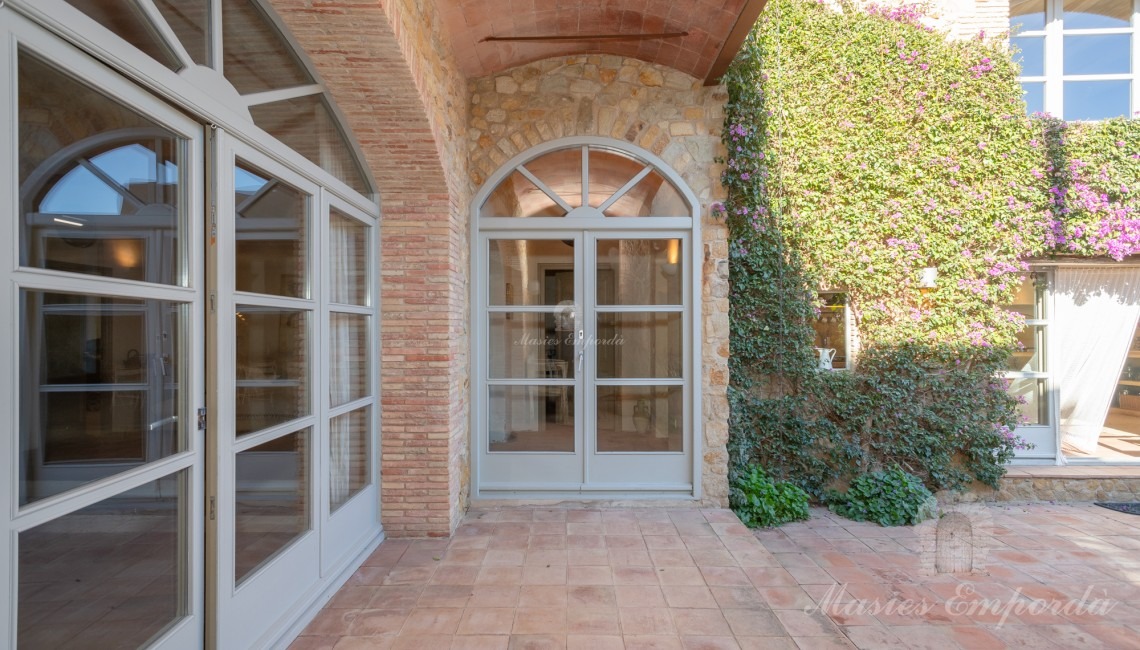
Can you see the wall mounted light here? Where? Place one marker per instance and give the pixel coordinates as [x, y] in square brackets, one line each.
[928, 278]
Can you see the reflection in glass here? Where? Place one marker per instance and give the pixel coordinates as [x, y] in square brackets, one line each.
[190, 20]
[256, 56]
[350, 467]
[531, 346]
[100, 185]
[1034, 96]
[639, 345]
[1097, 100]
[99, 387]
[531, 418]
[1097, 14]
[1034, 403]
[639, 272]
[608, 172]
[640, 418]
[272, 367]
[129, 22]
[531, 272]
[348, 362]
[1029, 53]
[1030, 351]
[272, 499]
[307, 125]
[348, 259]
[1029, 301]
[272, 234]
[109, 575]
[1098, 54]
[831, 327]
[653, 196]
[561, 171]
[517, 196]
[1027, 15]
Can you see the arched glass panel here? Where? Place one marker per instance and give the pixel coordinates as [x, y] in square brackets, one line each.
[1027, 15]
[256, 57]
[131, 24]
[1097, 14]
[617, 184]
[307, 125]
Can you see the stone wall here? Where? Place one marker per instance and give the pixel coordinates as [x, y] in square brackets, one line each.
[659, 109]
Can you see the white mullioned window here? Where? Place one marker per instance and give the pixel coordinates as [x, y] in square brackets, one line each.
[1077, 56]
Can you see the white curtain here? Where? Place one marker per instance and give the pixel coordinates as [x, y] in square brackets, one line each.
[346, 273]
[1095, 314]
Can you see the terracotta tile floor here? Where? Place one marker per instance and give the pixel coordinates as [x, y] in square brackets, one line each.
[655, 578]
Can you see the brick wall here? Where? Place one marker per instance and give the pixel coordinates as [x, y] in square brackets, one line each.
[387, 67]
[659, 109]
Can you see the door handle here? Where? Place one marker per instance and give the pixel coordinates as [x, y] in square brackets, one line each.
[581, 357]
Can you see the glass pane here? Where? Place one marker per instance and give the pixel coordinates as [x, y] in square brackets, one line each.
[1030, 299]
[640, 418]
[653, 196]
[1027, 15]
[532, 346]
[639, 345]
[1029, 53]
[99, 387]
[272, 234]
[272, 499]
[256, 57]
[531, 418]
[639, 272]
[561, 171]
[1030, 353]
[348, 259]
[1034, 400]
[348, 363]
[272, 367]
[1093, 14]
[350, 466]
[129, 23]
[608, 172]
[1099, 54]
[532, 272]
[831, 328]
[100, 185]
[1034, 96]
[109, 575]
[1097, 100]
[518, 197]
[308, 126]
[190, 21]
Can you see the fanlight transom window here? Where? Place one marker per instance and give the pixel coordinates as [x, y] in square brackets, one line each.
[585, 181]
[283, 95]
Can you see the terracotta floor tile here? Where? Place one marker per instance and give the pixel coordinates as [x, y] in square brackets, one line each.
[646, 620]
[589, 575]
[700, 622]
[635, 575]
[594, 642]
[709, 643]
[421, 642]
[738, 598]
[479, 643]
[315, 642]
[487, 621]
[364, 643]
[592, 620]
[352, 597]
[499, 557]
[753, 622]
[639, 596]
[532, 621]
[770, 577]
[431, 621]
[800, 623]
[724, 576]
[573, 528]
[454, 574]
[592, 596]
[785, 597]
[445, 596]
[500, 575]
[542, 596]
[544, 575]
[494, 596]
[822, 642]
[652, 642]
[552, 557]
[688, 597]
[766, 643]
[330, 622]
[587, 557]
[537, 642]
[575, 540]
[680, 575]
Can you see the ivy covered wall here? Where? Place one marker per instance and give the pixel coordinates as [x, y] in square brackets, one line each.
[864, 147]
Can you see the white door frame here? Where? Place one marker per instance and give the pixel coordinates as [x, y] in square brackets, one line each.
[587, 222]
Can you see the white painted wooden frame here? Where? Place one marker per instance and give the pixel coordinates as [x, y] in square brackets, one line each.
[584, 225]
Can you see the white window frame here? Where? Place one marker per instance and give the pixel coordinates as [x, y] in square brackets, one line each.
[1054, 42]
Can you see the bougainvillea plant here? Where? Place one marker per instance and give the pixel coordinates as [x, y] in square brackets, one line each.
[863, 147]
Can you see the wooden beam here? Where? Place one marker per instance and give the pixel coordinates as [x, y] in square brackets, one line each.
[748, 15]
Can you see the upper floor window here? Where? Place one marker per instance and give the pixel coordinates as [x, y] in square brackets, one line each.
[1076, 56]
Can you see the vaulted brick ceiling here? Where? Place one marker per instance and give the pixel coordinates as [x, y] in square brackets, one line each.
[713, 31]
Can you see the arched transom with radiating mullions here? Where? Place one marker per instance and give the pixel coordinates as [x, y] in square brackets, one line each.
[586, 181]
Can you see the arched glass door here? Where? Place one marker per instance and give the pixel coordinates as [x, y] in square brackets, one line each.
[585, 325]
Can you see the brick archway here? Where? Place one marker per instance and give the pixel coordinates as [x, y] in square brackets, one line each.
[406, 106]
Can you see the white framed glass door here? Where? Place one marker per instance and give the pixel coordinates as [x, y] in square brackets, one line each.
[106, 368]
